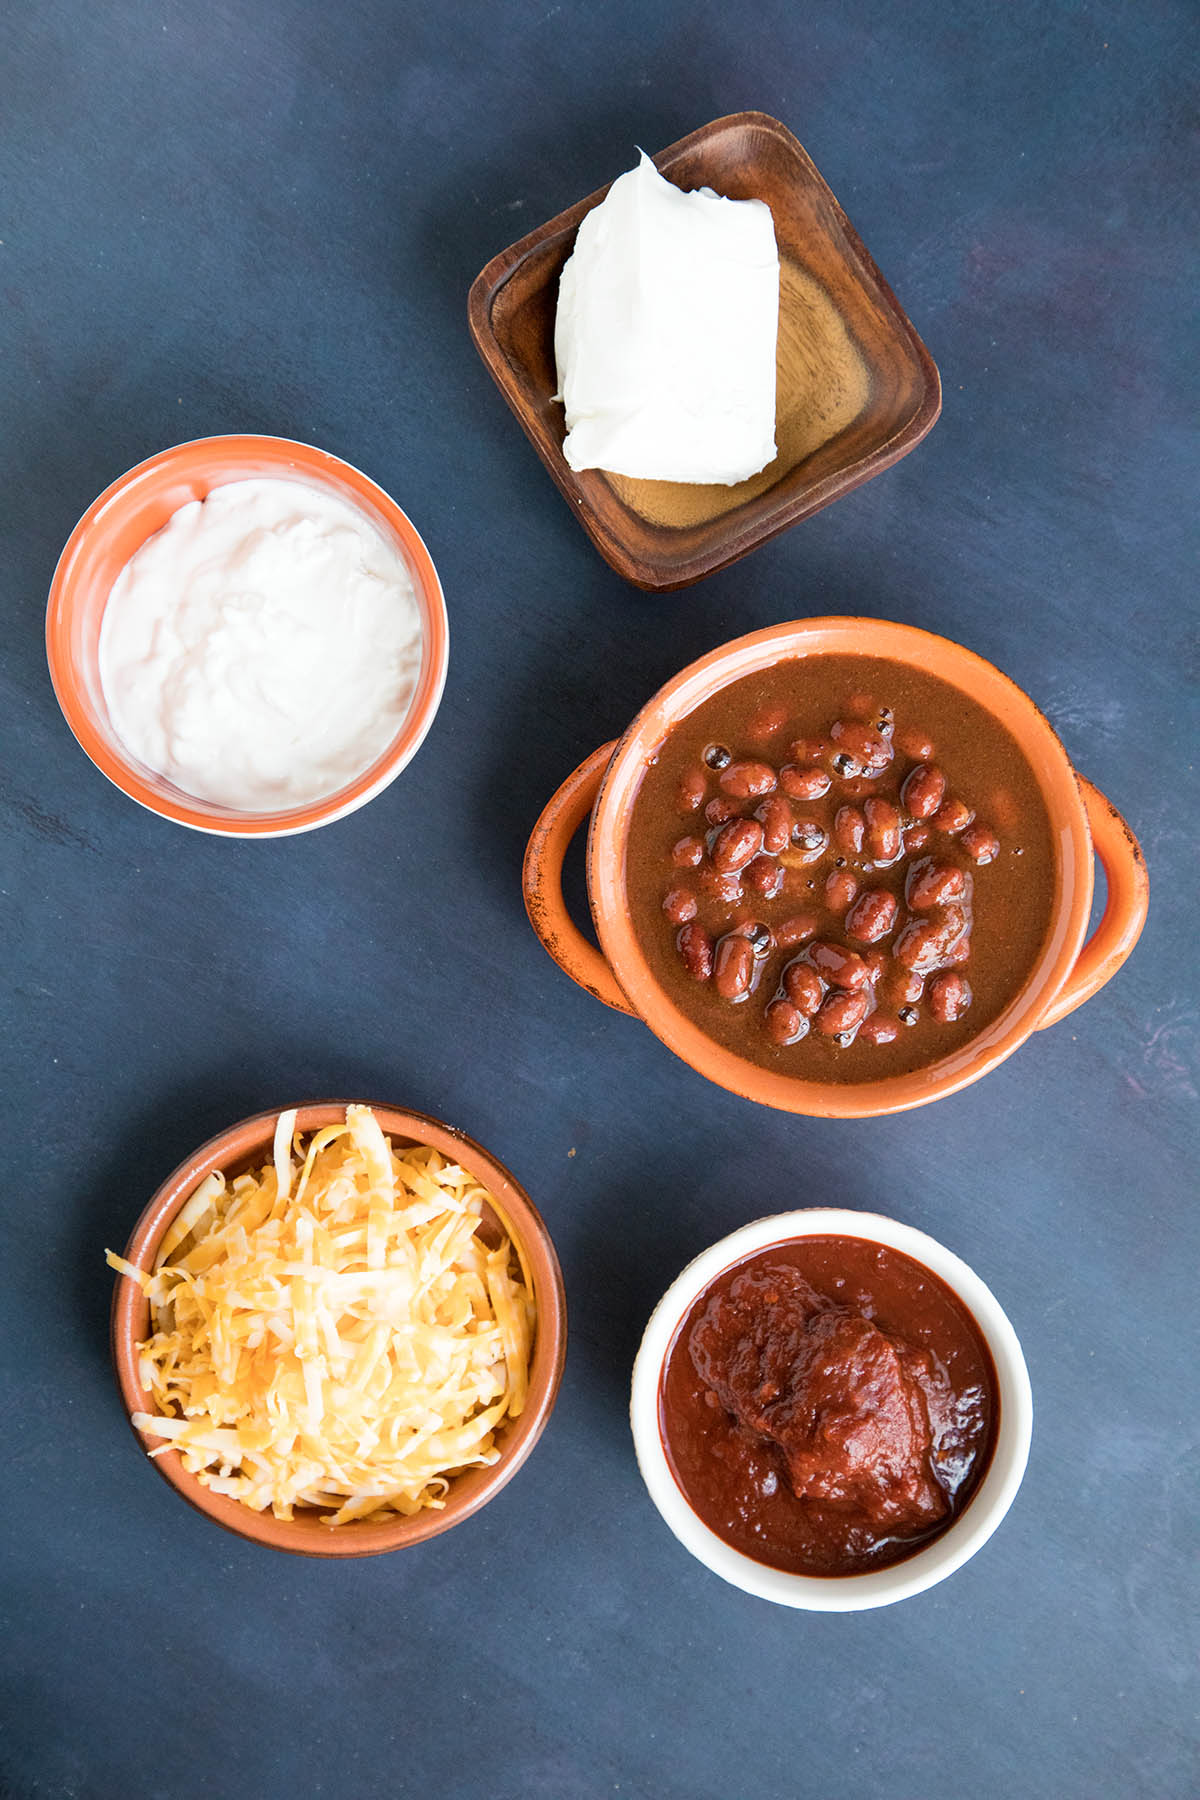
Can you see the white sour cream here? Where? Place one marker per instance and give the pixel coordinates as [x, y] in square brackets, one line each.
[263, 648]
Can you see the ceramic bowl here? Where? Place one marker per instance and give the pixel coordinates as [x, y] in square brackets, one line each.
[248, 1145]
[944, 1554]
[856, 388]
[1066, 972]
[117, 524]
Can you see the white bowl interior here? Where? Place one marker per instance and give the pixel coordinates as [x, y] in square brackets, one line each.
[878, 1587]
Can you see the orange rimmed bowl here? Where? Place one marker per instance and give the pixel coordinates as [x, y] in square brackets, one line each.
[116, 526]
[248, 1145]
[1066, 972]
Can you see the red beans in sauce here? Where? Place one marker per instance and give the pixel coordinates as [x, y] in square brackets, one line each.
[846, 829]
[809, 1329]
[872, 916]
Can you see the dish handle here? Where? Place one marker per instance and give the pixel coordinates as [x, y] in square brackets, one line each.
[1124, 914]
[541, 879]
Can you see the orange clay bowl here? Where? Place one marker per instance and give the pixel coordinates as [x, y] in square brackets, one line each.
[116, 526]
[1067, 971]
[248, 1145]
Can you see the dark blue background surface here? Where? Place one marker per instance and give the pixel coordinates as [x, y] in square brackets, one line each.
[222, 217]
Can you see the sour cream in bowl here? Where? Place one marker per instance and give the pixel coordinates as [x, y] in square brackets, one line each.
[247, 636]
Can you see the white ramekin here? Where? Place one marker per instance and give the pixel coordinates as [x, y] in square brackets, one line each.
[878, 1587]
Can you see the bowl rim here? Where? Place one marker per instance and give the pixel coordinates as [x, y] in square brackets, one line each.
[201, 459]
[253, 1136]
[982, 1514]
[743, 537]
[856, 636]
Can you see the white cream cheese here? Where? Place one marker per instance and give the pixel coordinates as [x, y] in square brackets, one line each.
[263, 648]
[668, 312]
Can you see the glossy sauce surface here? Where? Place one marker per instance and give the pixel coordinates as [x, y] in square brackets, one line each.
[840, 868]
[828, 1406]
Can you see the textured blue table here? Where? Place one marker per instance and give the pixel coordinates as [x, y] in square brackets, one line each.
[266, 217]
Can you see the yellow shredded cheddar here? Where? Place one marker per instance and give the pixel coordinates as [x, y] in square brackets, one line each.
[332, 1330]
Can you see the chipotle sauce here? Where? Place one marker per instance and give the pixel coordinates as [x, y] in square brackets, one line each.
[828, 1406]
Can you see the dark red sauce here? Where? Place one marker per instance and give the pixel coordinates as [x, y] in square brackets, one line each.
[828, 1406]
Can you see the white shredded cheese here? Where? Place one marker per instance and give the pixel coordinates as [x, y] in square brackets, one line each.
[340, 1338]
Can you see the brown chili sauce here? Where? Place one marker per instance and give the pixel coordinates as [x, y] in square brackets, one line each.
[828, 1406]
[841, 868]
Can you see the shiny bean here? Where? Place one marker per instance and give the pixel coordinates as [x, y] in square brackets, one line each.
[923, 791]
[872, 916]
[719, 810]
[883, 831]
[840, 889]
[736, 844]
[841, 1013]
[931, 883]
[915, 744]
[688, 853]
[763, 876]
[918, 946]
[915, 838]
[785, 1023]
[692, 790]
[849, 829]
[952, 923]
[680, 905]
[776, 818]
[980, 844]
[803, 987]
[695, 947]
[733, 967]
[880, 1028]
[958, 953]
[952, 816]
[903, 987]
[725, 889]
[843, 968]
[871, 748]
[949, 997]
[803, 783]
[878, 963]
[796, 930]
[747, 780]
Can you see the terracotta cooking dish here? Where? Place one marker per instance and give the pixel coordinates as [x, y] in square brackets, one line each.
[249, 1144]
[1067, 970]
[116, 526]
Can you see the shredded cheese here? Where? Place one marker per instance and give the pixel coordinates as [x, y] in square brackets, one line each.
[335, 1335]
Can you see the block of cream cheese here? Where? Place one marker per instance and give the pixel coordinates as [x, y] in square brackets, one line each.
[668, 311]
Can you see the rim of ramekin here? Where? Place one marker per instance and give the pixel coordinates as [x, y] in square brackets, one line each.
[608, 836]
[294, 459]
[924, 1568]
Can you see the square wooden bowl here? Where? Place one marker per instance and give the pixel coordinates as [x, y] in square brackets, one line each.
[856, 387]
